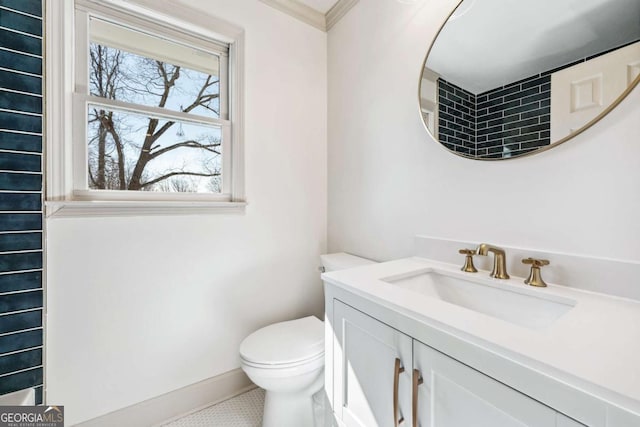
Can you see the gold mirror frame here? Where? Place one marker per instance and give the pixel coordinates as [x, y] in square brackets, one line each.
[596, 119]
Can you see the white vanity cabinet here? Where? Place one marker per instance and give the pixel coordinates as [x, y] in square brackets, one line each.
[480, 364]
[455, 395]
[374, 369]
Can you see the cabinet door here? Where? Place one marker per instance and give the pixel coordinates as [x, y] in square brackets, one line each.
[617, 417]
[564, 421]
[365, 370]
[455, 395]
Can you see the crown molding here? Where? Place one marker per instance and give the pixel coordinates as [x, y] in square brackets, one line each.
[300, 11]
[311, 16]
[337, 11]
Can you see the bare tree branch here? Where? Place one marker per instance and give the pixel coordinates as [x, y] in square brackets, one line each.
[135, 181]
[118, 157]
[119, 149]
[190, 144]
[170, 174]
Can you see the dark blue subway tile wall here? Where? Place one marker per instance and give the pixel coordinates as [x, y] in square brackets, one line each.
[20, 341]
[19, 42]
[21, 380]
[20, 201]
[20, 162]
[31, 7]
[506, 121]
[20, 361]
[39, 396]
[456, 118]
[14, 81]
[17, 222]
[21, 321]
[21, 242]
[20, 261]
[20, 142]
[20, 122]
[511, 119]
[21, 102]
[20, 22]
[16, 201]
[20, 181]
[12, 282]
[20, 301]
[21, 62]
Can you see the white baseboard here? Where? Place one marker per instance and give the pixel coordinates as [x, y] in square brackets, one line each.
[175, 404]
[597, 274]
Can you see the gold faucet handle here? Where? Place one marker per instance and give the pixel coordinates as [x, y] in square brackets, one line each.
[468, 260]
[536, 262]
[535, 277]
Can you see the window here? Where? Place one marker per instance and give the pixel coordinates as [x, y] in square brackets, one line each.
[154, 114]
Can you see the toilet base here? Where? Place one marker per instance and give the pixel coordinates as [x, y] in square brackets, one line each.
[287, 410]
[293, 408]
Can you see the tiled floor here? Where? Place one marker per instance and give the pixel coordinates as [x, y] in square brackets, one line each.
[244, 410]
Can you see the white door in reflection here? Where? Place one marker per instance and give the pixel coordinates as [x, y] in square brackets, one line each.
[581, 92]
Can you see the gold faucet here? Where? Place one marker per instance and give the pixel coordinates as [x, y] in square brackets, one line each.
[468, 260]
[499, 261]
[535, 278]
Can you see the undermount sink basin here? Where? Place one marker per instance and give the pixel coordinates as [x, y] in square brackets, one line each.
[524, 307]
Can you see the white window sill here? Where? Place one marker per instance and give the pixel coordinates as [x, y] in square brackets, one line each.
[109, 208]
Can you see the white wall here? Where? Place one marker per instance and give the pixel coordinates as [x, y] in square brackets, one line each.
[138, 307]
[388, 180]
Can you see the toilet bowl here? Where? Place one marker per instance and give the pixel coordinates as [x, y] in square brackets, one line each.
[287, 360]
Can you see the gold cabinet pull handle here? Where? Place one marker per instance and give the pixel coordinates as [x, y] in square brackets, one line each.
[417, 380]
[397, 370]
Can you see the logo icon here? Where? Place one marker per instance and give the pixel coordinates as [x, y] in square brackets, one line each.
[32, 416]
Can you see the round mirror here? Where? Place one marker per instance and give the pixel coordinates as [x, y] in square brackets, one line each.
[507, 78]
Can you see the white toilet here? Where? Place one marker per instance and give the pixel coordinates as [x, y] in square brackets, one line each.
[287, 360]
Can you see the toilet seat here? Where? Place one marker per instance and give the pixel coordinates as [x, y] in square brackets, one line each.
[312, 362]
[282, 372]
[285, 344]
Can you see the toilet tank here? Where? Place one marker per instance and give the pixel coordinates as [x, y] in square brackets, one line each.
[341, 260]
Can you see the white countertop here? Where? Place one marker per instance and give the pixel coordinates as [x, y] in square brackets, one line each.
[595, 346]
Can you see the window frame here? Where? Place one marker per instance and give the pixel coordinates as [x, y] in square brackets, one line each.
[67, 47]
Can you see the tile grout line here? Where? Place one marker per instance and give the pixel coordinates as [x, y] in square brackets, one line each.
[22, 33]
[20, 12]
